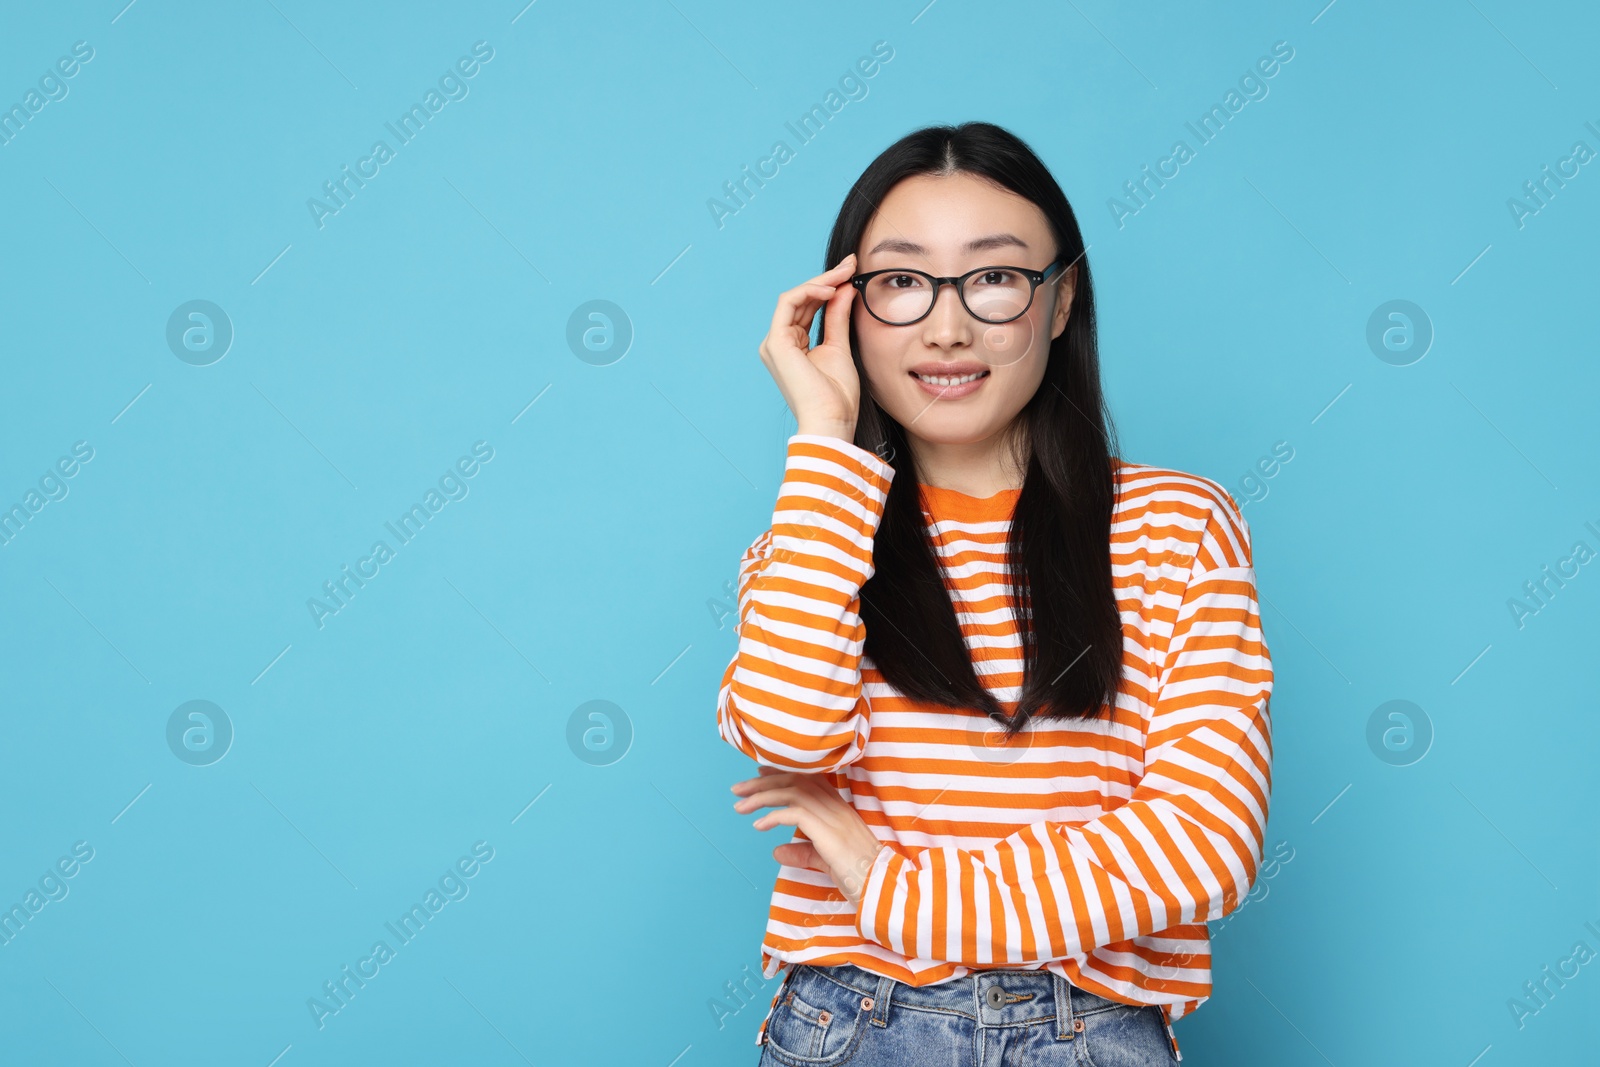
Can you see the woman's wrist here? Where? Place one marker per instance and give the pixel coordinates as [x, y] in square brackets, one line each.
[864, 864]
[844, 431]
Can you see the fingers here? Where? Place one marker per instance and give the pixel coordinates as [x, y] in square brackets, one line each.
[805, 299]
[823, 805]
[798, 306]
[839, 272]
[836, 319]
[788, 796]
[774, 778]
[799, 817]
[769, 777]
[799, 854]
[830, 285]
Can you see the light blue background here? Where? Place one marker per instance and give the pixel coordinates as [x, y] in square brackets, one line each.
[588, 558]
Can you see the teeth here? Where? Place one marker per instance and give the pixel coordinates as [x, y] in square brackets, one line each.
[934, 380]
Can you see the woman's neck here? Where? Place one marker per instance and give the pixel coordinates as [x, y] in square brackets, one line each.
[977, 468]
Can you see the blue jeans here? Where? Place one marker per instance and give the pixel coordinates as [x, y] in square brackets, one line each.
[826, 1016]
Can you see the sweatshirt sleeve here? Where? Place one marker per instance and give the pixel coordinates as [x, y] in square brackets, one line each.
[791, 697]
[1183, 849]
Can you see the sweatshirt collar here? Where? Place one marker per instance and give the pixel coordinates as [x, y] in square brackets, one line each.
[946, 504]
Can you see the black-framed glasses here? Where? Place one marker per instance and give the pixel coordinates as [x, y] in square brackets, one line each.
[900, 296]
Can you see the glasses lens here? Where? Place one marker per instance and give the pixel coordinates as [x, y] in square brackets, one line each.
[997, 294]
[898, 297]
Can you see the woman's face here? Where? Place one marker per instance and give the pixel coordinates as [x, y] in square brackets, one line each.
[948, 226]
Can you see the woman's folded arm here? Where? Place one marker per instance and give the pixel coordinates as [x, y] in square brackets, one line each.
[1184, 848]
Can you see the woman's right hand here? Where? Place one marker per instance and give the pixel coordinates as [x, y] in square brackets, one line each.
[819, 383]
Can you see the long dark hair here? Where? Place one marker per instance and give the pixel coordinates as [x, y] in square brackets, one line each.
[1059, 550]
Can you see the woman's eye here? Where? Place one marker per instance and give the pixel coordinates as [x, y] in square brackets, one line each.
[995, 277]
[909, 280]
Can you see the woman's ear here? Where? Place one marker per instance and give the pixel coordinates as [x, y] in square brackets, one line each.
[1065, 288]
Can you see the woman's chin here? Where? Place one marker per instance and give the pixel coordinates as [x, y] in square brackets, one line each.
[948, 427]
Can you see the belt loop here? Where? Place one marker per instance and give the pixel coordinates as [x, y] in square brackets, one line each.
[1066, 1028]
[880, 1000]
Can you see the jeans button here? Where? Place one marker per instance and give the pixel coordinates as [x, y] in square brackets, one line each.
[996, 997]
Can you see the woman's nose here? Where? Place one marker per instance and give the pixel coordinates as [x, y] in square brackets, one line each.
[948, 321]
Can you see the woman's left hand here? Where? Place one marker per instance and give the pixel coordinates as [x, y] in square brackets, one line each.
[841, 843]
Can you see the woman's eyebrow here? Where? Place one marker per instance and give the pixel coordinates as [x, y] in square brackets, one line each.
[977, 244]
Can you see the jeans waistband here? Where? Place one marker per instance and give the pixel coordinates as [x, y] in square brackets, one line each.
[1024, 995]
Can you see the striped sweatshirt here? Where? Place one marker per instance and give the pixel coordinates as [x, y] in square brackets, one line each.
[1095, 849]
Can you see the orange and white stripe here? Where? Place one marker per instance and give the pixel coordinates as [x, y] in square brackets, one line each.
[1095, 849]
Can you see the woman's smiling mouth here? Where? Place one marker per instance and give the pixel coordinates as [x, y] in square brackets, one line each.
[950, 386]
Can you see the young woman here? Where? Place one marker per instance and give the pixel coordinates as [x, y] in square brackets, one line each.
[1010, 689]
